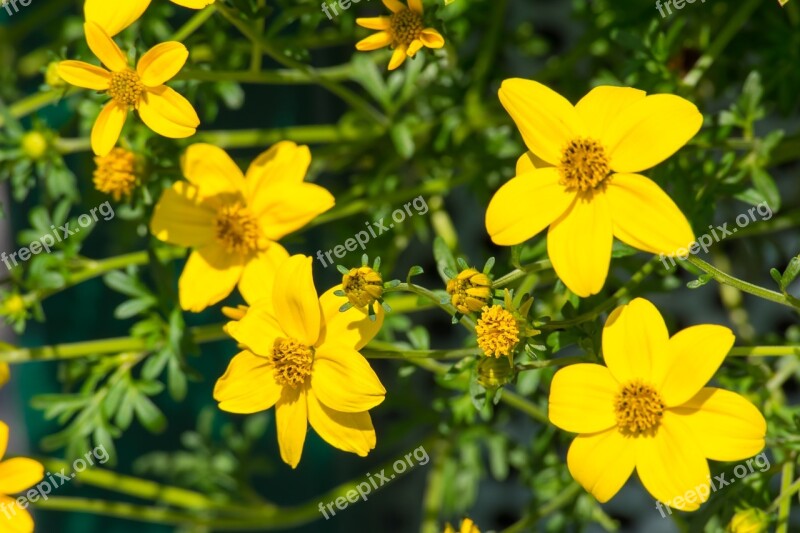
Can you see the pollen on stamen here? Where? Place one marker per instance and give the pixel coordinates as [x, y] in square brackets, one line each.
[584, 165]
[125, 87]
[639, 408]
[406, 26]
[237, 229]
[292, 362]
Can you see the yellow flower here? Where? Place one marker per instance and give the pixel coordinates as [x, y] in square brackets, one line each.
[403, 30]
[467, 526]
[116, 173]
[16, 475]
[163, 110]
[470, 290]
[498, 331]
[581, 178]
[301, 355]
[115, 16]
[649, 409]
[749, 521]
[362, 286]
[233, 221]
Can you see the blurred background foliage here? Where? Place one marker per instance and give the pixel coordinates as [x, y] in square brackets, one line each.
[265, 70]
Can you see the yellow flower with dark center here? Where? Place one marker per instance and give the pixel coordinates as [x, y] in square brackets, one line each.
[581, 177]
[467, 526]
[404, 31]
[16, 475]
[301, 356]
[749, 521]
[470, 290]
[649, 409]
[362, 286]
[498, 331]
[115, 16]
[116, 173]
[233, 221]
[162, 109]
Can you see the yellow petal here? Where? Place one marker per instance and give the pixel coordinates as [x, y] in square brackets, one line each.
[601, 105]
[107, 127]
[689, 360]
[84, 75]
[257, 330]
[114, 17]
[296, 302]
[283, 207]
[602, 462]
[394, 5]
[291, 417]
[350, 432]
[511, 220]
[546, 120]
[248, 385]
[582, 399]
[645, 217]
[416, 6]
[181, 217]
[728, 427]
[284, 162]
[431, 38]
[671, 465]
[650, 130]
[398, 57]
[212, 170]
[105, 48]
[633, 336]
[579, 245]
[343, 380]
[3, 438]
[5, 375]
[375, 23]
[351, 328]
[259, 273]
[414, 47]
[19, 474]
[528, 162]
[161, 63]
[209, 276]
[14, 522]
[374, 41]
[193, 4]
[168, 113]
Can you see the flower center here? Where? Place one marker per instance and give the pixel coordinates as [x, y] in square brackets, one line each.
[115, 173]
[470, 290]
[406, 25]
[126, 87]
[362, 286]
[292, 361]
[237, 229]
[639, 408]
[498, 331]
[584, 165]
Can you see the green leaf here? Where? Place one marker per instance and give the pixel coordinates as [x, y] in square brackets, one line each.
[148, 414]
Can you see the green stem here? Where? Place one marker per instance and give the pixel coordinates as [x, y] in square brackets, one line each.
[623, 292]
[561, 361]
[200, 334]
[516, 401]
[723, 37]
[434, 490]
[197, 20]
[466, 321]
[32, 103]
[522, 272]
[784, 501]
[726, 279]
[270, 77]
[372, 353]
[91, 269]
[562, 499]
[764, 351]
[268, 48]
